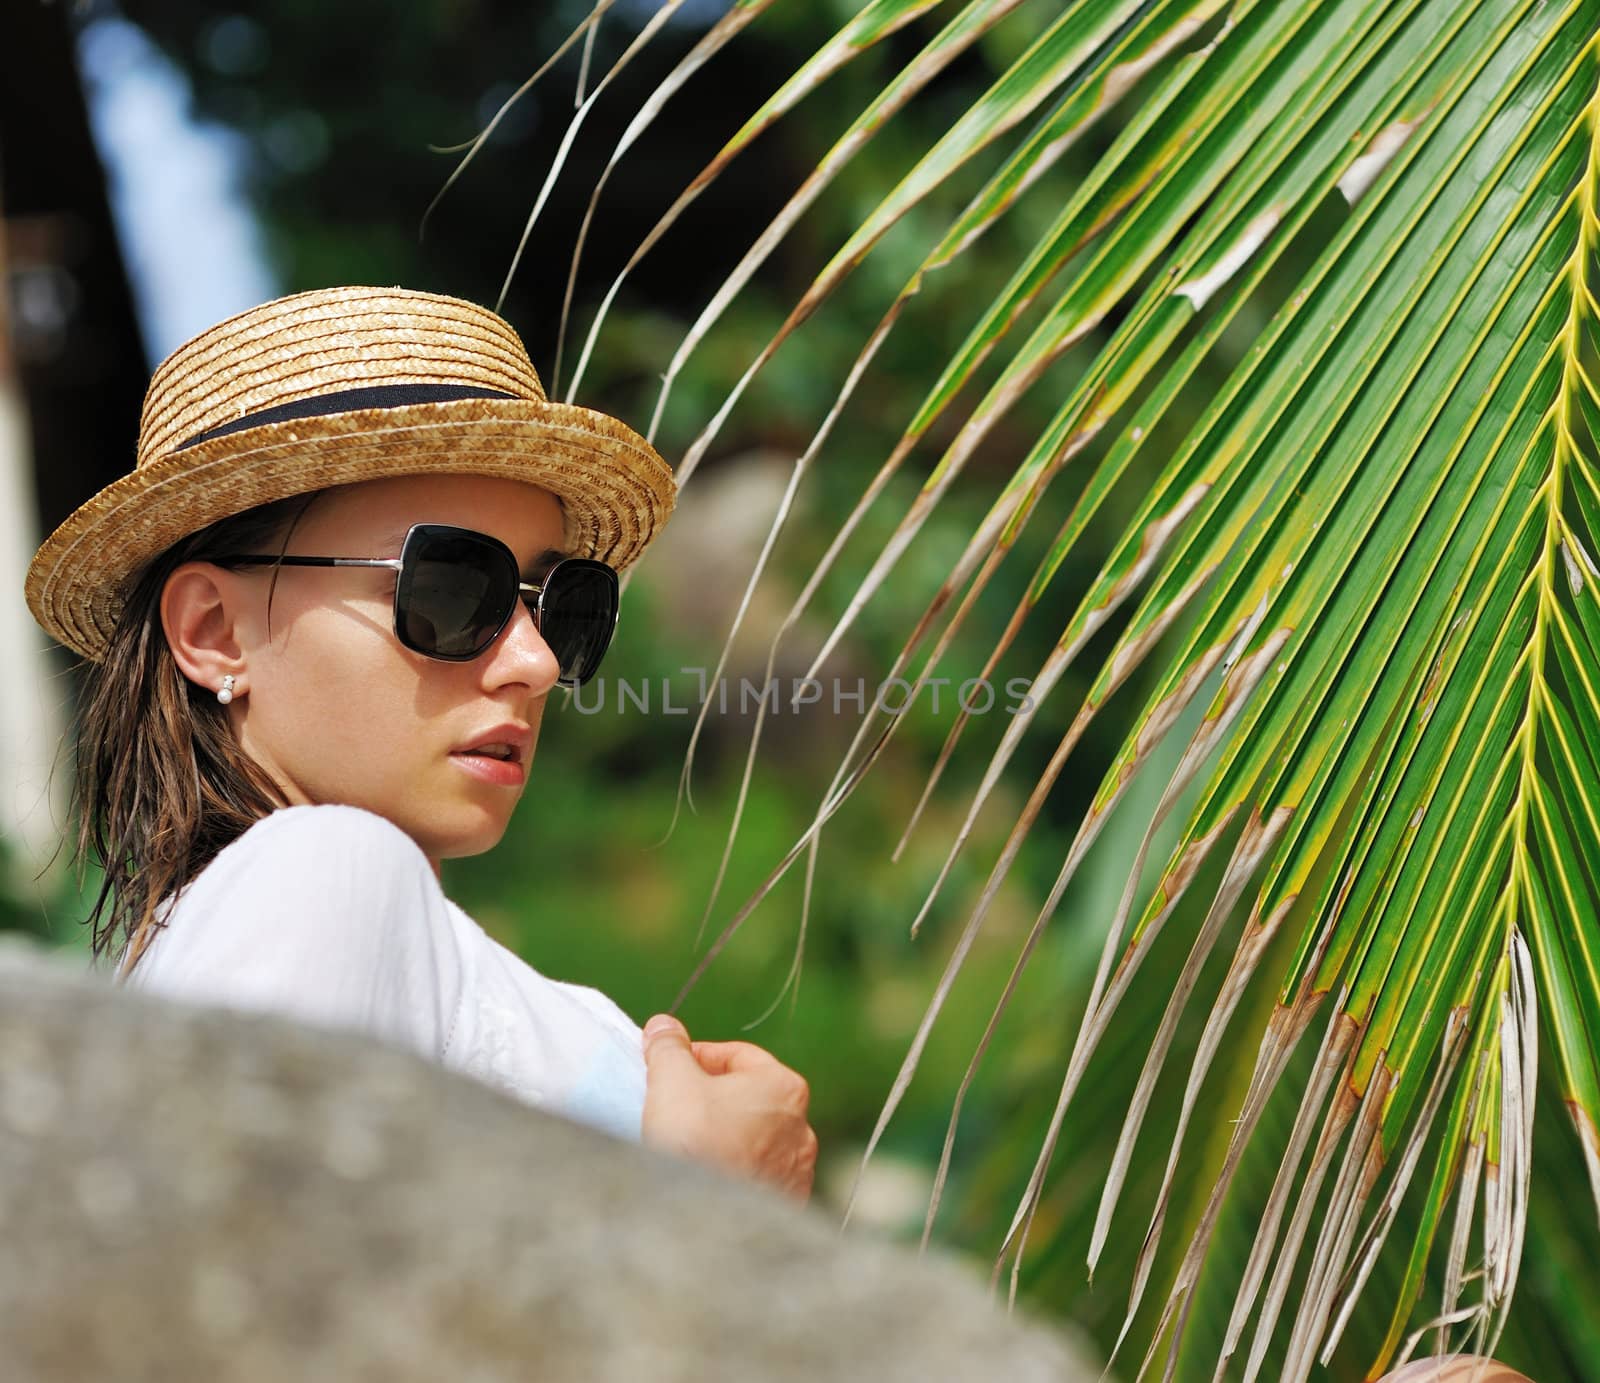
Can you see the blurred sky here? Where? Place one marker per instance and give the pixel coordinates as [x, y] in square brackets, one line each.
[193, 250]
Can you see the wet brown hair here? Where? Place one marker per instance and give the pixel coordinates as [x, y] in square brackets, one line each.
[161, 783]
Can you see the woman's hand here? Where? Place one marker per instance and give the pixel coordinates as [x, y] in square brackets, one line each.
[731, 1104]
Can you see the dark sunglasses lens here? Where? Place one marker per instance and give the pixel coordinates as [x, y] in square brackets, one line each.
[454, 596]
[580, 613]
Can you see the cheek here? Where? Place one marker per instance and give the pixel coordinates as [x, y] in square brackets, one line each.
[339, 704]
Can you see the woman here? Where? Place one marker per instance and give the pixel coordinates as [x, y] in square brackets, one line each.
[323, 614]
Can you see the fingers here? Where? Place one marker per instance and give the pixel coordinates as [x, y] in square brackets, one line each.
[718, 1058]
[805, 1170]
[667, 1048]
[785, 1085]
[667, 1044]
[714, 1058]
[664, 1022]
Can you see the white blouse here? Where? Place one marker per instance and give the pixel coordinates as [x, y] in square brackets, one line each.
[332, 915]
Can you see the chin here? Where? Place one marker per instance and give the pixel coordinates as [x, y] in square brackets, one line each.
[474, 833]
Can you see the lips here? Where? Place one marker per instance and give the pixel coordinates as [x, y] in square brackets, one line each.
[509, 742]
[494, 751]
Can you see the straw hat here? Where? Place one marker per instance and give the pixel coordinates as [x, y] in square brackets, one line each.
[326, 388]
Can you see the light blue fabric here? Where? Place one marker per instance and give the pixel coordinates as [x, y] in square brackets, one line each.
[609, 1095]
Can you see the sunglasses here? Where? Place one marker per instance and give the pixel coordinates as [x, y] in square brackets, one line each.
[457, 589]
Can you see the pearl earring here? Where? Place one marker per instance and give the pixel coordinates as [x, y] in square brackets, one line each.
[226, 694]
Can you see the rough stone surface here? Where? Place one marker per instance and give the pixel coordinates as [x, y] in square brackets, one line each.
[189, 1193]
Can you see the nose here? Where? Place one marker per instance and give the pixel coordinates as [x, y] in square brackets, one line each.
[520, 655]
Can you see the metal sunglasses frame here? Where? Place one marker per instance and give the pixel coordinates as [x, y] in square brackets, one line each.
[420, 532]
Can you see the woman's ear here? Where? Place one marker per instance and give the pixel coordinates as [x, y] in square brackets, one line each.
[200, 610]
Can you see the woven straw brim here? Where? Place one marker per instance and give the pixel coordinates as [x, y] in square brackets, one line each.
[615, 490]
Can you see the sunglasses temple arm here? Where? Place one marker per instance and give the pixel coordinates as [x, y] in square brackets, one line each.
[319, 561]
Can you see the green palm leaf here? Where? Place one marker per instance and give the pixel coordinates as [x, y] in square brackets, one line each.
[1369, 560]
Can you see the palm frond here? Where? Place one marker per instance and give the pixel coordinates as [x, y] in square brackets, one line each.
[1369, 559]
